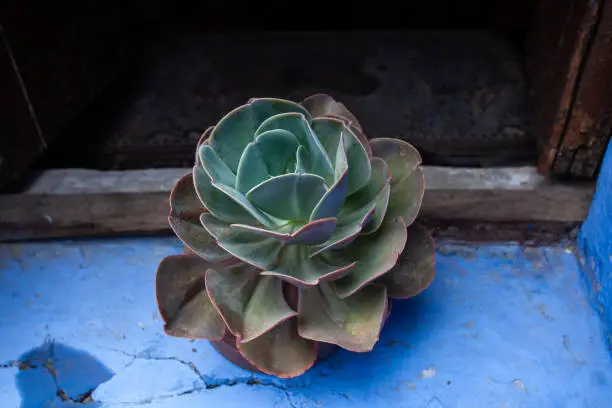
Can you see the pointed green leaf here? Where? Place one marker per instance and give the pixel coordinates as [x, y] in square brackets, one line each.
[278, 149]
[223, 205]
[240, 198]
[407, 196]
[330, 131]
[297, 267]
[281, 351]
[288, 197]
[249, 304]
[344, 234]
[372, 194]
[301, 160]
[312, 233]
[375, 254]
[353, 323]
[182, 299]
[215, 168]
[236, 129]
[416, 267]
[331, 203]
[252, 169]
[196, 238]
[318, 160]
[324, 106]
[247, 246]
[381, 203]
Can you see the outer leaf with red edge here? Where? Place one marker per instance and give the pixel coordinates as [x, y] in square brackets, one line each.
[352, 323]
[281, 351]
[407, 182]
[416, 267]
[250, 304]
[182, 299]
[184, 219]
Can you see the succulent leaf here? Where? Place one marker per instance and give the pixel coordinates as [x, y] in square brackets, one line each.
[249, 304]
[353, 323]
[196, 238]
[333, 199]
[324, 106]
[407, 196]
[415, 269]
[280, 351]
[401, 157]
[330, 204]
[290, 197]
[182, 299]
[218, 202]
[314, 232]
[331, 132]
[372, 194]
[344, 234]
[407, 180]
[184, 201]
[203, 140]
[245, 245]
[378, 254]
[237, 129]
[301, 160]
[252, 168]
[299, 125]
[184, 219]
[296, 266]
[216, 169]
[288, 262]
[277, 147]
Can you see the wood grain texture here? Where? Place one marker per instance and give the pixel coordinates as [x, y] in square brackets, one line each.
[557, 49]
[73, 203]
[570, 66]
[590, 122]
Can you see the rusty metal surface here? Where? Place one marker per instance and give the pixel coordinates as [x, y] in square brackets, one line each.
[557, 47]
[590, 123]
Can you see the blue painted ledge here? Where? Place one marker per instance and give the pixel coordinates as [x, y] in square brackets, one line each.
[502, 326]
[595, 241]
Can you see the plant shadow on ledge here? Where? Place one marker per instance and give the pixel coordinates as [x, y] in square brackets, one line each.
[298, 230]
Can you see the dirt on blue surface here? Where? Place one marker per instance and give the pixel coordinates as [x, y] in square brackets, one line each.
[501, 326]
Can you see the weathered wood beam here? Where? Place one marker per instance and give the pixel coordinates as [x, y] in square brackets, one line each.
[77, 203]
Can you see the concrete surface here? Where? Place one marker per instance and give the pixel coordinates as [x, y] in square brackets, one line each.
[501, 326]
[596, 244]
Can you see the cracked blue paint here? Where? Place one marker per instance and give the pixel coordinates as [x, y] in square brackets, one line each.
[501, 326]
[595, 241]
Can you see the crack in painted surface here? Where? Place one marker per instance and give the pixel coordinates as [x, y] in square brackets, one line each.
[208, 382]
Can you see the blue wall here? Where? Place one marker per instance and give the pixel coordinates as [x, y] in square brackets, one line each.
[595, 240]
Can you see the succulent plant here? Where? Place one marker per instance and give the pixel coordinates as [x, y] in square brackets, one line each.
[300, 230]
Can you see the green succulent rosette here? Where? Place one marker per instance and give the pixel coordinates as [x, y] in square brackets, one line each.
[289, 197]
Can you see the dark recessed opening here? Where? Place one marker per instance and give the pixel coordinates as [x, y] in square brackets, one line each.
[447, 76]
